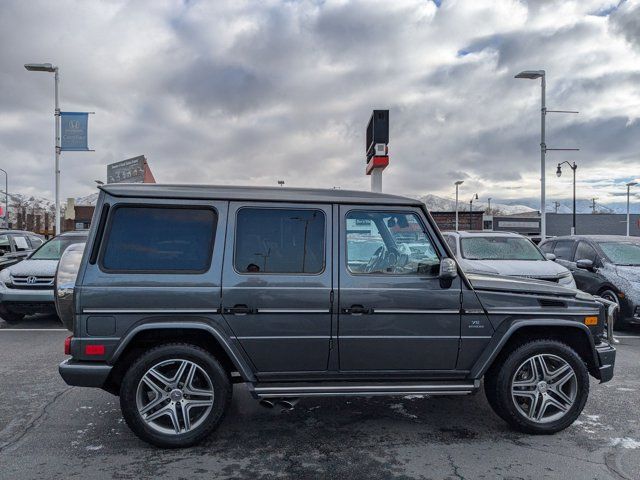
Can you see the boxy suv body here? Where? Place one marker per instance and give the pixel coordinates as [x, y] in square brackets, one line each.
[184, 290]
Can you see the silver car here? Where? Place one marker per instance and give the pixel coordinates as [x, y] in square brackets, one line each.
[27, 287]
[505, 253]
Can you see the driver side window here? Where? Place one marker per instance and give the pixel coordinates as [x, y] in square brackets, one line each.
[389, 243]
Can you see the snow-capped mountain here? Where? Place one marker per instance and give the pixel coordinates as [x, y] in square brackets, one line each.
[437, 203]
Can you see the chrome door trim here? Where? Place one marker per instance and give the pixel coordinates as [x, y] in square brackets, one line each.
[415, 311]
[150, 310]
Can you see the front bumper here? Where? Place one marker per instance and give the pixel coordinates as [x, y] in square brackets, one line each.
[84, 374]
[25, 295]
[606, 361]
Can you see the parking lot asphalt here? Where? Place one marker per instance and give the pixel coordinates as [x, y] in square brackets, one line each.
[50, 430]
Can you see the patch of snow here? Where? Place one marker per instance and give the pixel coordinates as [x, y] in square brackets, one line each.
[414, 397]
[400, 408]
[94, 447]
[625, 442]
[623, 389]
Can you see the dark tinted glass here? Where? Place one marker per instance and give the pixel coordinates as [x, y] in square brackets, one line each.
[585, 252]
[563, 249]
[160, 239]
[547, 247]
[279, 241]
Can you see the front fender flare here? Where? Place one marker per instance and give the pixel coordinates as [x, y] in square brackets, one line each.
[502, 336]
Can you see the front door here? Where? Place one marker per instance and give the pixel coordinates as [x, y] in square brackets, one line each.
[394, 312]
[277, 284]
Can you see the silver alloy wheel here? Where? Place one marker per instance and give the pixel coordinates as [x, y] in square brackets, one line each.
[544, 388]
[174, 396]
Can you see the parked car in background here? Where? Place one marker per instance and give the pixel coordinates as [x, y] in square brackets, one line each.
[183, 290]
[16, 245]
[604, 265]
[27, 287]
[505, 253]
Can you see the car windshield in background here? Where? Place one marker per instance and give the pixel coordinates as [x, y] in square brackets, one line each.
[622, 253]
[499, 248]
[54, 248]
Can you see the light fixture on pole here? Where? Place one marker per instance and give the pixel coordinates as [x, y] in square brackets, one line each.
[49, 68]
[6, 197]
[573, 167]
[629, 185]
[281, 183]
[489, 207]
[533, 75]
[475, 197]
[457, 184]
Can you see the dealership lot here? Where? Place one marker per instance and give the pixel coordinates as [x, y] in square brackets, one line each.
[49, 430]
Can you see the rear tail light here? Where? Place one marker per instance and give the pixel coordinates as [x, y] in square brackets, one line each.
[67, 345]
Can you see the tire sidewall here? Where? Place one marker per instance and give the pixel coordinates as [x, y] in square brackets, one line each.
[508, 371]
[129, 386]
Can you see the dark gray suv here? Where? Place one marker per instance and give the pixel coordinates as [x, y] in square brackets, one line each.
[184, 290]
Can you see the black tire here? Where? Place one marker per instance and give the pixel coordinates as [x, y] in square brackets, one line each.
[498, 385]
[9, 316]
[221, 384]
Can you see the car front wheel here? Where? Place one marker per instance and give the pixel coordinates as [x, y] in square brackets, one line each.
[174, 395]
[540, 387]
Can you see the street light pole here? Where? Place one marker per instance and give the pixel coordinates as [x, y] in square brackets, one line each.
[458, 183]
[49, 68]
[532, 75]
[573, 167]
[629, 185]
[475, 197]
[6, 197]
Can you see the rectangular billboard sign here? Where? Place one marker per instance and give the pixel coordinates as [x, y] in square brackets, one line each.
[130, 170]
[73, 131]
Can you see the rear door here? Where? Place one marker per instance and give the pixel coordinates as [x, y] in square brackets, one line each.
[563, 250]
[586, 280]
[394, 312]
[277, 284]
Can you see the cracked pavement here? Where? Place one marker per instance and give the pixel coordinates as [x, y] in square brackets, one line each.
[49, 430]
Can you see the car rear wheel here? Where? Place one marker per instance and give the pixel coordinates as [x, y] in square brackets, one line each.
[9, 316]
[541, 387]
[174, 395]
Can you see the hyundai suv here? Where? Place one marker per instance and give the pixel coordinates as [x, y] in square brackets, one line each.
[182, 291]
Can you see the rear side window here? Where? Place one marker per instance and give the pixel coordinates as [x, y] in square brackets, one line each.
[563, 249]
[279, 240]
[21, 243]
[159, 239]
[5, 245]
[547, 247]
[35, 242]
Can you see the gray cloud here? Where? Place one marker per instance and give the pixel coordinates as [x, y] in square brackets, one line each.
[250, 92]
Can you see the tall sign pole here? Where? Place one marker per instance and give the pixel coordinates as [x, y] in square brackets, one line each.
[376, 147]
[57, 167]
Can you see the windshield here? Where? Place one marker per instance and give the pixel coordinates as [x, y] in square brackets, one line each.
[622, 253]
[499, 248]
[54, 248]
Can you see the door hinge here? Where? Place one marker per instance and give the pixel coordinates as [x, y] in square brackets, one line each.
[331, 296]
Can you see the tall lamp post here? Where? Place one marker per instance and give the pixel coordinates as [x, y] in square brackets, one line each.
[49, 68]
[532, 75]
[458, 183]
[6, 196]
[475, 197]
[573, 167]
[629, 185]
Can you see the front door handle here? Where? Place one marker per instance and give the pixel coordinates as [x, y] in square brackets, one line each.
[238, 309]
[357, 310]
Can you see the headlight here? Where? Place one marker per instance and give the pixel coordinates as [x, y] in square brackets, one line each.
[567, 280]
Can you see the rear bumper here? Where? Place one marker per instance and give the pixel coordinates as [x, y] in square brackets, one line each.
[606, 360]
[84, 374]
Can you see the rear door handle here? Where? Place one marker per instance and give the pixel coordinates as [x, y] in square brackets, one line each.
[357, 310]
[239, 309]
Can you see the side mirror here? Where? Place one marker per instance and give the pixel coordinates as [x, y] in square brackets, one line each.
[585, 264]
[448, 269]
[550, 256]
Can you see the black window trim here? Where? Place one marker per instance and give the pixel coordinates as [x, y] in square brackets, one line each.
[373, 209]
[104, 241]
[289, 207]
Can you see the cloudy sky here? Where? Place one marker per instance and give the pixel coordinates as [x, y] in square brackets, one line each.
[249, 92]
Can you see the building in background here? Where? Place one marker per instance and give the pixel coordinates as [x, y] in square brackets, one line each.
[593, 224]
[446, 220]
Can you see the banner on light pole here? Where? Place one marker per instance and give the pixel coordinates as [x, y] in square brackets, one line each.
[73, 135]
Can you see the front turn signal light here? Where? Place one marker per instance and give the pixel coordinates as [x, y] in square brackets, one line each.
[591, 321]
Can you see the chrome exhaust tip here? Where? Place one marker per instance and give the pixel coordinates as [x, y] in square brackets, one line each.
[266, 403]
[288, 403]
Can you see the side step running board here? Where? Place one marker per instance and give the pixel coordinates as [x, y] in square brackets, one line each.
[265, 390]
